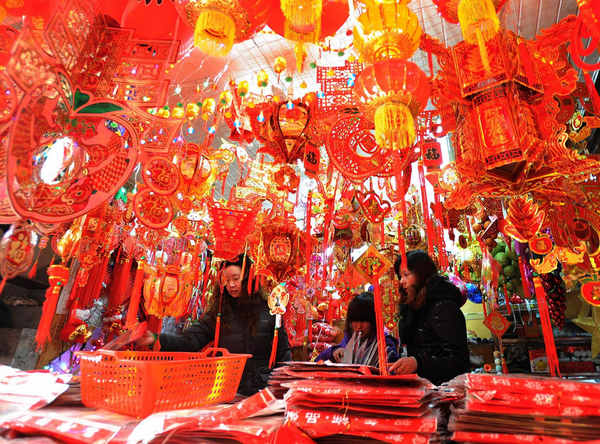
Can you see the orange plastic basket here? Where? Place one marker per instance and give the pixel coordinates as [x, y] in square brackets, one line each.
[141, 383]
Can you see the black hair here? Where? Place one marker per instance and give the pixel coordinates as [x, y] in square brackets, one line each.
[419, 263]
[247, 305]
[361, 309]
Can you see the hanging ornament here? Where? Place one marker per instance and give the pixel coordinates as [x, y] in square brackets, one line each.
[231, 225]
[160, 175]
[218, 24]
[279, 65]
[479, 23]
[16, 251]
[152, 209]
[79, 152]
[168, 289]
[524, 219]
[374, 208]
[386, 30]
[392, 93]
[372, 265]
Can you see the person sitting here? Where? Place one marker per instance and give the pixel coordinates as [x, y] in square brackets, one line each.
[359, 345]
[431, 324]
[246, 327]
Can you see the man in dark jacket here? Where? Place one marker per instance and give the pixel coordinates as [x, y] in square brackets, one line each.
[431, 323]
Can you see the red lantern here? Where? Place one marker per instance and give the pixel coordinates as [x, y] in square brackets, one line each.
[334, 14]
[155, 20]
[230, 226]
[168, 289]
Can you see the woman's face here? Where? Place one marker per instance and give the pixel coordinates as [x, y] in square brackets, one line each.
[232, 279]
[364, 327]
[408, 279]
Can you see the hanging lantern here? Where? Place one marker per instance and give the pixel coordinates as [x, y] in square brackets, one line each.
[278, 248]
[449, 8]
[231, 226]
[392, 93]
[479, 23]
[197, 173]
[282, 129]
[168, 289]
[218, 25]
[386, 30]
[16, 251]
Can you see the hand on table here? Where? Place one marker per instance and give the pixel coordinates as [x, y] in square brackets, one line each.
[404, 366]
[338, 354]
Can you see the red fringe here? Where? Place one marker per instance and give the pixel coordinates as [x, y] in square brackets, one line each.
[42, 336]
[2, 284]
[136, 296]
[274, 348]
[546, 327]
[33, 269]
[120, 289]
[426, 216]
[381, 347]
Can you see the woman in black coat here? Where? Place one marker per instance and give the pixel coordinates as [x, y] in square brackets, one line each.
[246, 327]
[431, 323]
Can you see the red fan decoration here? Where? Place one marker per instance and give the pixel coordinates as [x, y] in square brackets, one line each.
[231, 226]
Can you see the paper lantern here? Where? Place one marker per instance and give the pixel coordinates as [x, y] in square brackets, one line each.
[449, 8]
[386, 30]
[197, 172]
[168, 289]
[392, 93]
[231, 225]
[218, 24]
[332, 16]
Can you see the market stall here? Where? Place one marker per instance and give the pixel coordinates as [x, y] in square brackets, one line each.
[299, 220]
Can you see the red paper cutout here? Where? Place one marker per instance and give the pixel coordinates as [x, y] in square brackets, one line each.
[497, 323]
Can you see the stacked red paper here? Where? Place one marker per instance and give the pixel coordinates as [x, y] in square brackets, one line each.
[343, 405]
[510, 409]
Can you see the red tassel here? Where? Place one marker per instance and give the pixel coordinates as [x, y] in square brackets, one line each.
[57, 276]
[402, 242]
[426, 216]
[524, 281]
[136, 296]
[546, 327]
[593, 92]
[33, 269]
[381, 347]
[2, 284]
[217, 330]
[274, 348]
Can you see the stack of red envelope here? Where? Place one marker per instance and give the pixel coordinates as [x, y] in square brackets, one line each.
[521, 408]
[340, 404]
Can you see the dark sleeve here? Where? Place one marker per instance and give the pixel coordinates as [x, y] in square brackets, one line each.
[406, 317]
[284, 352]
[448, 354]
[327, 354]
[193, 339]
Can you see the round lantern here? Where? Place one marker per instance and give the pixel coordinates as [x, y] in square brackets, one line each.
[154, 20]
[218, 24]
[392, 93]
[386, 30]
[289, 23]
